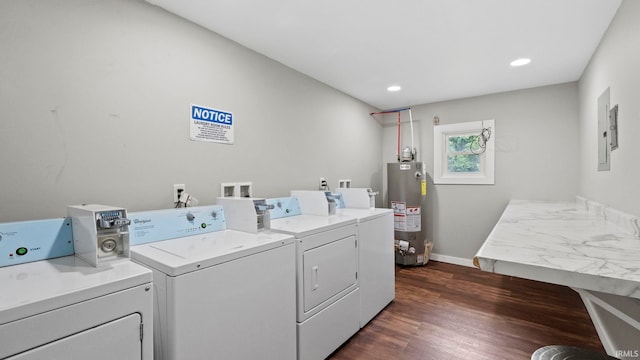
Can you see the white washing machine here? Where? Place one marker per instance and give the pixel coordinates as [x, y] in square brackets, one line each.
[65, 308]
[328, 297]
[220, 293]
[376, 259]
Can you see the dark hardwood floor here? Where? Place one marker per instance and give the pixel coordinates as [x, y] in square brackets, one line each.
[444, 311]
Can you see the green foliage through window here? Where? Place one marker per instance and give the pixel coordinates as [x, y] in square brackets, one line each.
[462, 143]
[460, 158]
[463, 163]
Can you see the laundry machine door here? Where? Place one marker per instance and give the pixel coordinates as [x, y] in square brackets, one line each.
[328, 270]
[118, 339]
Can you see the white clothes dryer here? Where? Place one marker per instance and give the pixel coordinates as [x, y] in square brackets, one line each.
[376, 259]
[65, 308]
[328, 298]
[220, 293]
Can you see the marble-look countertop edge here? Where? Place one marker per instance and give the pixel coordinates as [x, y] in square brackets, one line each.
[522, 230]
[562, 277]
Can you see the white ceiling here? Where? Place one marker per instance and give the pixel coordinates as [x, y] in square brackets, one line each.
[435, 49]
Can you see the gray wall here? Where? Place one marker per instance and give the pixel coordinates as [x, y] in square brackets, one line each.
[536, 159]
[546, 144]
[94, 104]
[94, 108]
[615, 64]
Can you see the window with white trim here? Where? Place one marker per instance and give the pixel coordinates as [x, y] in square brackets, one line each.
[464, 153]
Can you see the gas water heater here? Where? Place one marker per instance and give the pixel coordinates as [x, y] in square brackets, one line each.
[407, 193]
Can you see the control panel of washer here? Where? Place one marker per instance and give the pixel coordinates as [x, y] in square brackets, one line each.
[284, 207]
[158, 225]
[27, 241]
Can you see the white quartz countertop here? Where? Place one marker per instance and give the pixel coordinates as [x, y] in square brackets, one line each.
[556, 242]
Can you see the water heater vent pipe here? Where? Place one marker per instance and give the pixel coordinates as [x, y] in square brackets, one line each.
[398, 111]
[398, 151]
[413, 149]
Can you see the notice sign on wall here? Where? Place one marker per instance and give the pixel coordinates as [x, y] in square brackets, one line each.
[212, 125]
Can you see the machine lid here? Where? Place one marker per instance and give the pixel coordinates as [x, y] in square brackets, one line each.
[40, 286]
[304, 225]
[365, 214]
[183, 255]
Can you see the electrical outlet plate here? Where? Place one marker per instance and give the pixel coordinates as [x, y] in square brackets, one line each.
[177, 188]
[344, 183]
[240, 189]
[323, 184]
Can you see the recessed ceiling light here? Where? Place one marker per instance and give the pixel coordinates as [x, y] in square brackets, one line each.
[394, 88]
[520, 62]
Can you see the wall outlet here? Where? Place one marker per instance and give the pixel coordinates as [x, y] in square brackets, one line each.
[240, 189]
[323, 184]
[344, 183]
[177, 189]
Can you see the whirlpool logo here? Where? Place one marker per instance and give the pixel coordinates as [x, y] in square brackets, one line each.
[141, 221]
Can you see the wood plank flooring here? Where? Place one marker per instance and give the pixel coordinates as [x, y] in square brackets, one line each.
[444, 311]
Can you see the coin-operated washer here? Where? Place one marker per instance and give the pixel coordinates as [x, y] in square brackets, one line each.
[220, 293]
[376, 259]
[328, 297]
[54, 305]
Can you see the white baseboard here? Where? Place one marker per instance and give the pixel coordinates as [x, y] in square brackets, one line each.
[451, 259]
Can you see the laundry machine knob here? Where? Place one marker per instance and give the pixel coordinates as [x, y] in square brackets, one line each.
[190, 216]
